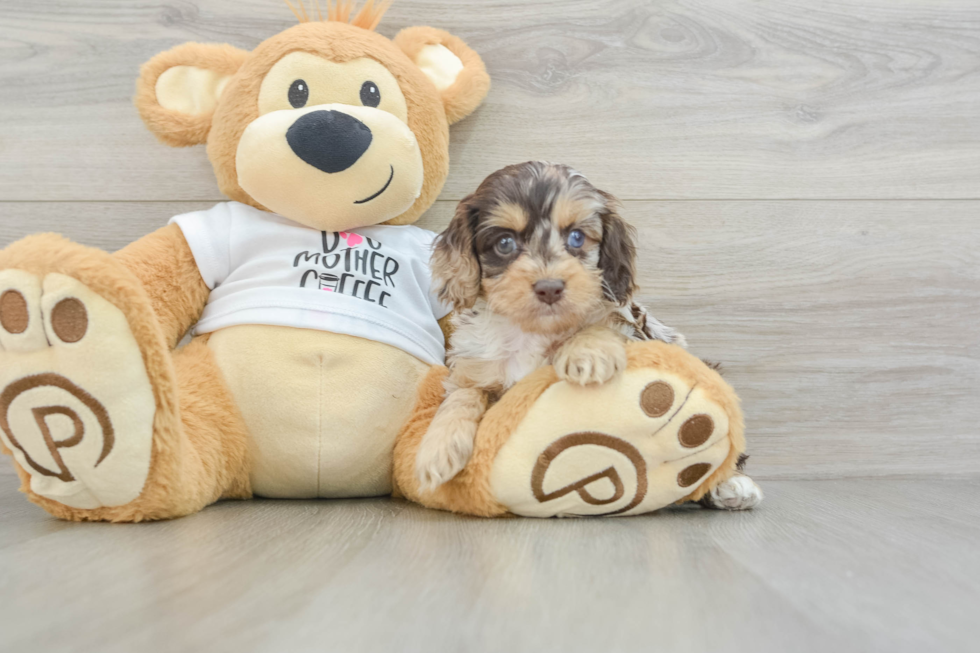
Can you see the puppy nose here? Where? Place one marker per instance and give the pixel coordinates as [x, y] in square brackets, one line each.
[331, 141]
[549, 291]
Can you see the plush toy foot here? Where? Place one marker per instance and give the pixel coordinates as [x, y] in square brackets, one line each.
[76, 404]
[638, 443]
[737, 493]
[665, 430]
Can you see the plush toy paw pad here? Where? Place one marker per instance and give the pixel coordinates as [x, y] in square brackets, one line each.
[644, 440]
[691, 475]
[695, 431]
[14, 317]
[657, 398]
[21, 326]
[76, 405]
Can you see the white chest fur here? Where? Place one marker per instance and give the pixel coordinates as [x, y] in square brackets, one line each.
[494, 339]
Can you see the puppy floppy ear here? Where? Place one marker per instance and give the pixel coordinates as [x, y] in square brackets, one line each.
[455, 266]
[457, 71]
[178, 90]
[617, 253]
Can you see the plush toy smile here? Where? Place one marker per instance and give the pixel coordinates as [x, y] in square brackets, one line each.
[331, 166]
[383, 189]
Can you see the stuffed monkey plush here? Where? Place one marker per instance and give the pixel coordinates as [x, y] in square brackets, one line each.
[315, 363]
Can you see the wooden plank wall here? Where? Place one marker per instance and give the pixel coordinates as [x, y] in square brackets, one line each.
[804, 174]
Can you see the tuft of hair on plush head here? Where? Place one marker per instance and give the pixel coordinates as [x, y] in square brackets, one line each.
[341, 11]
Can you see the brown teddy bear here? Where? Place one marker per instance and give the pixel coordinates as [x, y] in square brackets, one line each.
[316, 358]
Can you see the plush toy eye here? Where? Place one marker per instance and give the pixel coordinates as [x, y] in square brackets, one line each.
[370, 95]
[505, 245]
[576, 239]
[299, 93]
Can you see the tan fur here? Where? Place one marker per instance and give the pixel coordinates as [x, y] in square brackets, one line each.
[472, 84]
[507, 216]
[512, 295]
[574, 211]
[446, 325]
[171, 127]
[164, 264]
[213, 426]
[185, 471]
[338, 42]
[429, 111]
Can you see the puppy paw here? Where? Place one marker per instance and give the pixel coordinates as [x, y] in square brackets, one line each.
[737, 493]
[590, 359]
[443, 453]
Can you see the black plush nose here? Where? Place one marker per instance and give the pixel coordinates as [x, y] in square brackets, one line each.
[549, 290]
[331, 141]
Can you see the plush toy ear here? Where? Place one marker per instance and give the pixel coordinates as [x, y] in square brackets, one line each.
[178, 90]
[457, 71]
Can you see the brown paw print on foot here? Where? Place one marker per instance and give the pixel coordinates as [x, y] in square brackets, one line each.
[639, 443]
[72, 381]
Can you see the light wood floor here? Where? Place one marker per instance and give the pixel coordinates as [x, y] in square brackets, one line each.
[847, 565]
[805, 178]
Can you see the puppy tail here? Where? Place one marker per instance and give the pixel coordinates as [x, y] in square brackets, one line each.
[647, 327]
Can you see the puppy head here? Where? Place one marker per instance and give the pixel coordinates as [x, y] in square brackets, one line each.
[541, 244]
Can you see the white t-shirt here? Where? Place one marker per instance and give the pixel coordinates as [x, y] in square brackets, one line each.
[372, 283]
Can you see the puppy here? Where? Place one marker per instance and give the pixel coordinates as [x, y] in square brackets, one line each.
[540, 268]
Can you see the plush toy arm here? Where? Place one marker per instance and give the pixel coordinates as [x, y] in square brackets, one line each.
[163, 262]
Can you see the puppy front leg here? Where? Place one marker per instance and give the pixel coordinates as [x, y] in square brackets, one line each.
[447, 445]
[593, 355]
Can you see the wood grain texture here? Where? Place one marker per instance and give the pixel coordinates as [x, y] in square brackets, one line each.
[851, 330]
[692, 99]
[820, 566]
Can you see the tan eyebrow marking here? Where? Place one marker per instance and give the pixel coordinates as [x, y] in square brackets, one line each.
[507, 215]
[571, 210]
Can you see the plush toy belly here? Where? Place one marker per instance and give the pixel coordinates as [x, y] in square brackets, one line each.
[323, 409]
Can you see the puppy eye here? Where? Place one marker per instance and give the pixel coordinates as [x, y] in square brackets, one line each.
[505, 245]
[576, 239]
[299, 93]
[370, 95]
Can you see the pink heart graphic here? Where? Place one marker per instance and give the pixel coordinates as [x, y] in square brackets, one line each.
[353, 240]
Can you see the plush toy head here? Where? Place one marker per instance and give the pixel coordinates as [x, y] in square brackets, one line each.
[327, 123]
